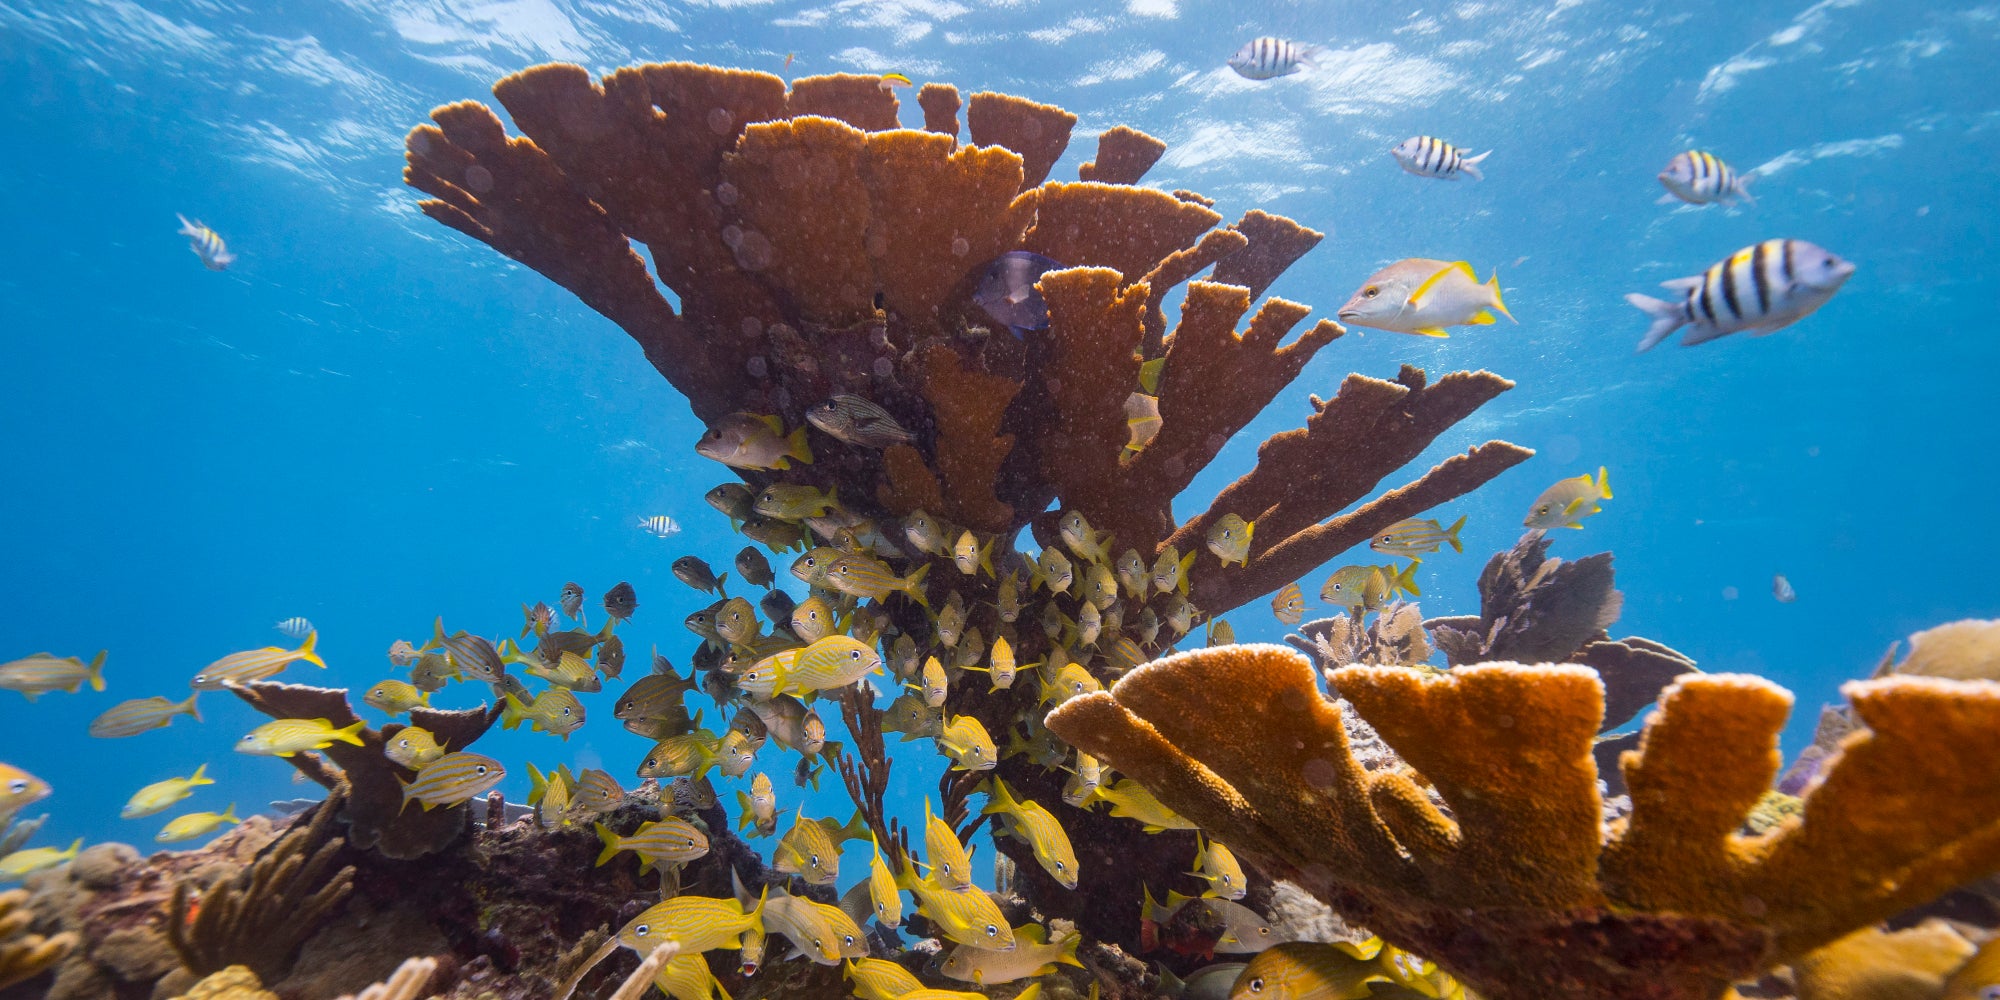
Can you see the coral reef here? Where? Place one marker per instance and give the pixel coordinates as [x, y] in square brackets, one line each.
[369, 785]
[261, 917]
[1521, 892]
[23, 955]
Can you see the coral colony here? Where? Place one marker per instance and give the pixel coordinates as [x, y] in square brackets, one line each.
[908, 348]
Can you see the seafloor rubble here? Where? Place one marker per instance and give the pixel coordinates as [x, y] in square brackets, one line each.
[809, 247]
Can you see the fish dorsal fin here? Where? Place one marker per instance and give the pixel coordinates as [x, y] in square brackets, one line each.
[1031, 933]
[773, 421]
[1682, 284]
[1416, 297]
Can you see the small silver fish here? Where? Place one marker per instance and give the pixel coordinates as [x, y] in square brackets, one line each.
[1426, 156]
[1698, 178]
[1267, 58]
[206, 244]
[1758, 290]
[295, 627]
[1781, 589]
[660, 525]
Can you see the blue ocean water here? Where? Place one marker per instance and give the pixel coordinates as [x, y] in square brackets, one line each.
[371, 421]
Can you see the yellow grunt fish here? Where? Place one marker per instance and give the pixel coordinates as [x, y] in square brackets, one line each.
[970, 556]
[130, 718]
[967, 743]
[759, 807]
[871, 579]
[879, 979]
[672, 840]
[1308, 970]
[1416, 537]
[194, 825]
[788, 502]
[882, 891]
[1084, 542]
[1170, 571]
[412, 747]
[254, 665]
[396, 697]
[1568, 502]
[1214, 864]
[1028, 821]
[41, 673]
[453, 779]
[555, 710]
[1130, 799]
[754, 441]
[285, 737]
[967, 917]
[949, 866]
[697, 923]
[1229, 539]
[19, 790]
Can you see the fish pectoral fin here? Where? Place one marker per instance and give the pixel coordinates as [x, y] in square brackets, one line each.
[1482, 318]
[1432, 331]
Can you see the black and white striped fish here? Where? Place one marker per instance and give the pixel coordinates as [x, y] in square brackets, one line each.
[660, 524]
[1267, 57]
[296, 627]
[206, 244]
[1759, 289]
[1698, 178]
[1427, 156]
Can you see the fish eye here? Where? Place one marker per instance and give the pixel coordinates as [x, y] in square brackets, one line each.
[1257, 985]
[642, 930]
[1061, 867]
[1264, 931]
[1371, 291]
[481, 769]
[1228, 880]
[200, 678]
[815, 862]
[847, 939]
[992, 931]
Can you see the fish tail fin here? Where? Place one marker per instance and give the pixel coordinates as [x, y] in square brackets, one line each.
[986, 557]
[1742, 188]
[744, 820]
[1187, 562]
[1406, 580]
[1666, 318]
[1067, 955]
[512, 711]
[1493, 285]
[187, 228]
[200, 776]
[229, 814]
[349, 734]
[1451, 534]
[1470, 166]
[798, 448]
[610, 839]
[913, 585]
[97, 671]
[1603, 483]
[308, 649]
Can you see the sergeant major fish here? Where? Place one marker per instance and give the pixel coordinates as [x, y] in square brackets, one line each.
[206, 244]
[1423, 296]
[1427, 156]
[1757, 290]
[1698, 178]
[1268, 58]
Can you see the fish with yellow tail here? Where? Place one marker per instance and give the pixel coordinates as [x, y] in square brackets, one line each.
[972, 556]
[1221, 633]
[1416, 537]
[1131, 800]
[669, 841]
[1366, 588]
[935, 684]
[451, 780]
[1027, 821]
[1244, 931]
[285, 737]
[1216, 865]
[21, 864]
[1309, 970]
[1000, 666]
[788, 502]
[830, 664]
[1289, 603]
[886, 899]
[1142, 421]
[195, 825]
[871, 579]
[1423, 296]
[950, 868]
[966, 741]
[811, 848]
[1568, 502]
[411, 747]
[1170, 571]
[1229, 539]
[19, 790]
[696, 923]
[395, 697]
[758, 807]
[555, 710]
[1032, 955]
[879, 979]
[597, 792]
[754, 441]
[1083, 541]
[1758, 290]
[130, 718]
[1053, 571]
[41, 673]
[967, 917]
[1084, 780]
[687, 755]
[1130, 570]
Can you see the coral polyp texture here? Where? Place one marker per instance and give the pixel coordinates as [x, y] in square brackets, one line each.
[1521, 891]
[817, 248]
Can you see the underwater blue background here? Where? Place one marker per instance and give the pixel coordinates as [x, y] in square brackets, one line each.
[371, 421]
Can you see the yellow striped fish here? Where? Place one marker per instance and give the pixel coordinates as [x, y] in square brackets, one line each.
[473, 656]
[808, 850]
[194, 825]
[814, 620]
[697, 923]
[828, 665]
[396, 697]
[160, 795]
[1413, 538]
[1229, 538]
[677, 756]
[1170, 571]
[672, 840]
[1030, 956]
[871, 579]
[18, 790]
[130, 718]
[967, 743]
[256, 665]
[597, 792]
[1131, 800]
[285, 737]
[43, 672]
[882, 891]
[1289, 603]
[687, 977]
[788, 502]
[758, 807]
[1216, 865]
[453, 779]
[878, 979]
[804, 924]
[412, 747]
[1029, 822]
[1757, 290]
[968, 917]
[555, 710]
[950, 868]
